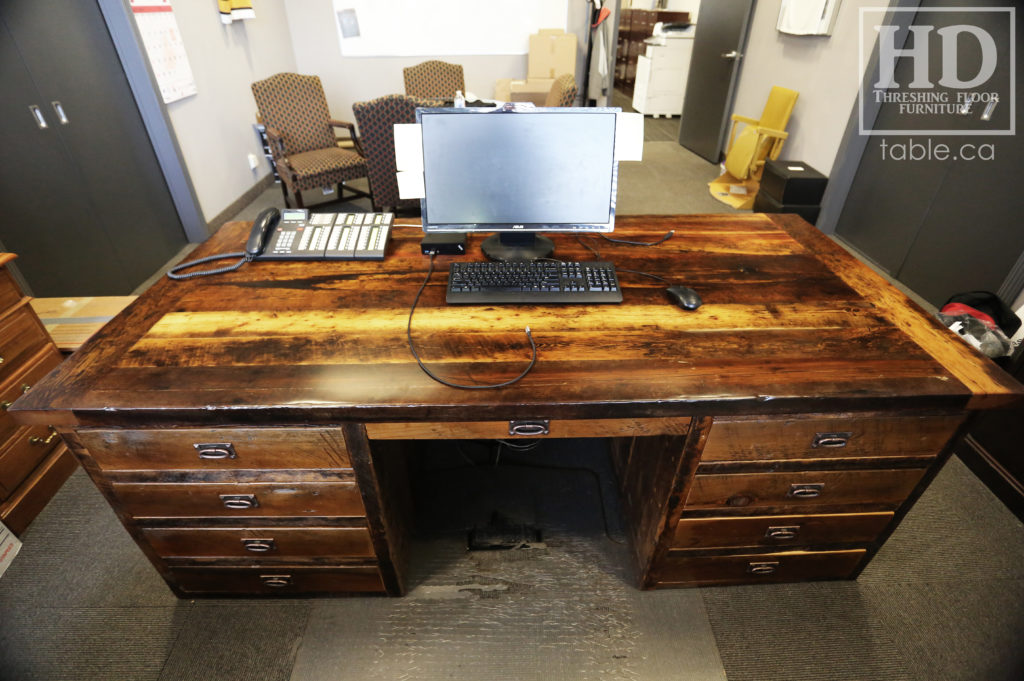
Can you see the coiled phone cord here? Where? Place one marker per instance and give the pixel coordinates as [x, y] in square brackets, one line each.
[174, 272]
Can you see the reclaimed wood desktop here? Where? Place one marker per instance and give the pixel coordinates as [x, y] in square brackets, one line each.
[252, 429]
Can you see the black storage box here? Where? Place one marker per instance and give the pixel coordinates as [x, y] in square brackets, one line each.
[764, 203]
[792, 183]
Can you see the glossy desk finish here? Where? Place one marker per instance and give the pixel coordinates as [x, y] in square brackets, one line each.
[806, 392]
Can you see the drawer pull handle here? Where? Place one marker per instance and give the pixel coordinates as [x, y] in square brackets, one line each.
[783, 532]
[831, 440]
[276, 581]
[25, 387]
[537, 427]
[1, 359]
[239, 501]
[216, 450]
[807, 490]
[36, 440]
[259, 545]
[763, 569]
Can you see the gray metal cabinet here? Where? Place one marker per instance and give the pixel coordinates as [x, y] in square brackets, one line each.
[942, 226]
[85, 204]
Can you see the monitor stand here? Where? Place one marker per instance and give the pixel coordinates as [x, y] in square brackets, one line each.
[517, 246]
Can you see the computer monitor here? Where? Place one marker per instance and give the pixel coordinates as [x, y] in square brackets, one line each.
[517, 171]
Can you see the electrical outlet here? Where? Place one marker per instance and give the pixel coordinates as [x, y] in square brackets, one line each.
[254, 161]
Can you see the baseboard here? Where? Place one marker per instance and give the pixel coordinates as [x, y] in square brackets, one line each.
[1000, 481]
[238, 204]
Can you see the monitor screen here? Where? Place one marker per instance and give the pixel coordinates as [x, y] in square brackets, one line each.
[519, 169]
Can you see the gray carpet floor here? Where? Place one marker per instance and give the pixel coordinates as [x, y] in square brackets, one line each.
[944, 599]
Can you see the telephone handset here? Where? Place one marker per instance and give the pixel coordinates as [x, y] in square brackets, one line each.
[262, 229]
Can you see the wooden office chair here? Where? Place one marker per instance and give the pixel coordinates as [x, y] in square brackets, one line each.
[760, 139]
[434, 80]
[562, 92]
[301, 136]
[376, 120]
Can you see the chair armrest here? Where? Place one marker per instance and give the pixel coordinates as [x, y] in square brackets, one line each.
[736, 118]
[771, 132]
[351, 127]
[278, 152]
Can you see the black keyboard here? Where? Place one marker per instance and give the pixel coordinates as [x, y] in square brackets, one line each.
[533, 282]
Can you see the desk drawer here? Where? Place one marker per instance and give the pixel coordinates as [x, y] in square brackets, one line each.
[803, 491]
[278, 580]
[20, 383]
[21, 455]
[217, 448]
[828, 438]
[263, 543]
[458, 430]
[779, 530]
[22, 336]
[243, 500]
[10, 292]
[790, 566]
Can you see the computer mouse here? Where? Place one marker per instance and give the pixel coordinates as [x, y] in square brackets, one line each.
[684, 296]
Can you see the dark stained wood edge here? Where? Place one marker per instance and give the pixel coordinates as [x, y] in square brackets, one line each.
[383, 518]
[991, 385]
[672, 507]
[251, 415]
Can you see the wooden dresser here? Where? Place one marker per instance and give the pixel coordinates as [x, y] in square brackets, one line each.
[34, 463]
[253, 430]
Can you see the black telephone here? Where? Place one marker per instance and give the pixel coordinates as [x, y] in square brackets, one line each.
[262, 228]
[297, 235]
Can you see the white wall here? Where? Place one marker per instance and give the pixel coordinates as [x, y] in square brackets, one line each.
[823, 69]
[214, 127]
[356, 79]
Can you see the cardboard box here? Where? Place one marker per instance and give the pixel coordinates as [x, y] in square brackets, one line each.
[552, 53]
[531, 90]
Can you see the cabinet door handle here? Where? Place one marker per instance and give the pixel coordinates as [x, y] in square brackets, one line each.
[831, 440]
[807, 490]
[36, 440]
[239, 501]
[764, 568]
[37, 114]
[259, 545]
[61, 116]
[276, 581]
[215, 450]
[535, 427]
[782, 532]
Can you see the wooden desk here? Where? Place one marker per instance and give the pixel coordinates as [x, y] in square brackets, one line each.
[249, 428]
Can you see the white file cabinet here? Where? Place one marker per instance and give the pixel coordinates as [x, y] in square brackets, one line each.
[661, 75]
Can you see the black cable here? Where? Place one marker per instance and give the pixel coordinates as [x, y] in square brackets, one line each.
[581, 242]
[412, 348]
[639, 243]
[173, 272]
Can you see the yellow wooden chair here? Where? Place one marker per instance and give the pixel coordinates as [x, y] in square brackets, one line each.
[760, 139]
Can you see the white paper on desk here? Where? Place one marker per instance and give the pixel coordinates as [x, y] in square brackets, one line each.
[9, 547]
[408, 147]
[629, 136]
[410, 184]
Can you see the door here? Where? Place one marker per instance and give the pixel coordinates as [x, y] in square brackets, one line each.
[87, 208]
[714, 73]
[943, 225]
